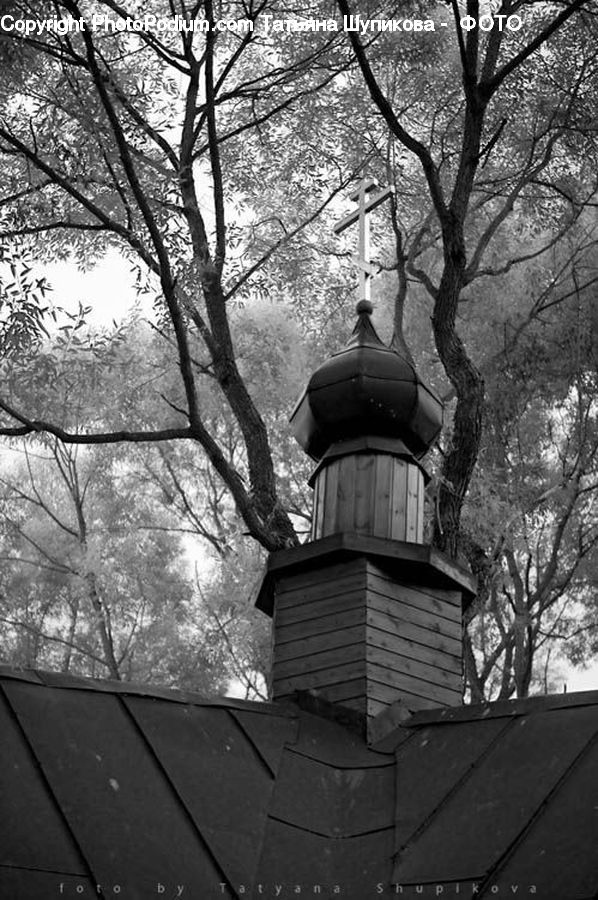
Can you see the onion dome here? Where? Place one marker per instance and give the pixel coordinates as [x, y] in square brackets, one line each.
[367, 389]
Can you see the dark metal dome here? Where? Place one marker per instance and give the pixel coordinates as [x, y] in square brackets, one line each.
[366, 389]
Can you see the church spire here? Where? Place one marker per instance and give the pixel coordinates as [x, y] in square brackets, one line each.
[366, 615]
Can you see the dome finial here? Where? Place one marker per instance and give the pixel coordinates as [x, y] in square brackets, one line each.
[367, 390]
[364, 306]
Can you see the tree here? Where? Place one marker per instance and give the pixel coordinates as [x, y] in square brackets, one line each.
[545, 543]
[83, 585]
[163, 224]
[531, 515]
[194, 159]
[465, 207]
[98, 542]
[85, 111]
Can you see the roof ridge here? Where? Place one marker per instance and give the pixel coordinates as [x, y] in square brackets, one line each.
[46, 678]
[501, 708]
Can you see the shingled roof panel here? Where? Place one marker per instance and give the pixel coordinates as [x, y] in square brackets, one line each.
[268, 738]
[491, 809]
[148, 789]
[40, 840]
[431, 766]
[217, 774]
[559, 854]
[318, 739]
[347, 801]
[296, 857]
[120, 807]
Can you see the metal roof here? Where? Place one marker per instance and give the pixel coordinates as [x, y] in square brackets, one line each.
[144, 791]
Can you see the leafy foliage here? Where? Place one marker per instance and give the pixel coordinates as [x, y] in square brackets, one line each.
[216, 164]
[23, 304]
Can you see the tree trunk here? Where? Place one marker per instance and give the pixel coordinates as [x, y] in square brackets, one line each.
[460, 460]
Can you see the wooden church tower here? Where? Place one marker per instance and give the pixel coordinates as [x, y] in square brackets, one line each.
[365, 614]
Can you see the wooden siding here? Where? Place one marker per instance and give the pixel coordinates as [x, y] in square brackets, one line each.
[305, 681]
[341, 587]
[384, 693]
[389, 581]
[407, 607]
[318, 662]
[344, 618]
[399, 624]
[357, 703]
[318, 643]
[413, 640]
[349, 690]
[430, 682]
[320, 575]
[369, 493]
[319, 632]
[375, 707]
[360, 638]
[396, 643]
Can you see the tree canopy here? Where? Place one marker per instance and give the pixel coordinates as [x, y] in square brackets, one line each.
[215, 161]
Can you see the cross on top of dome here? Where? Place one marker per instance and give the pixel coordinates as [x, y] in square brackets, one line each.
[368, 198]
[366, 390]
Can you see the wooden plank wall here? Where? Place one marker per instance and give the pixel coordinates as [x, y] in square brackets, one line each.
[369, 493]
[319, 634]
[414, 644]
[359, 637]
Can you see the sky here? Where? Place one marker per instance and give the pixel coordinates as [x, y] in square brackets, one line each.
[107, 288]
[578, 679]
